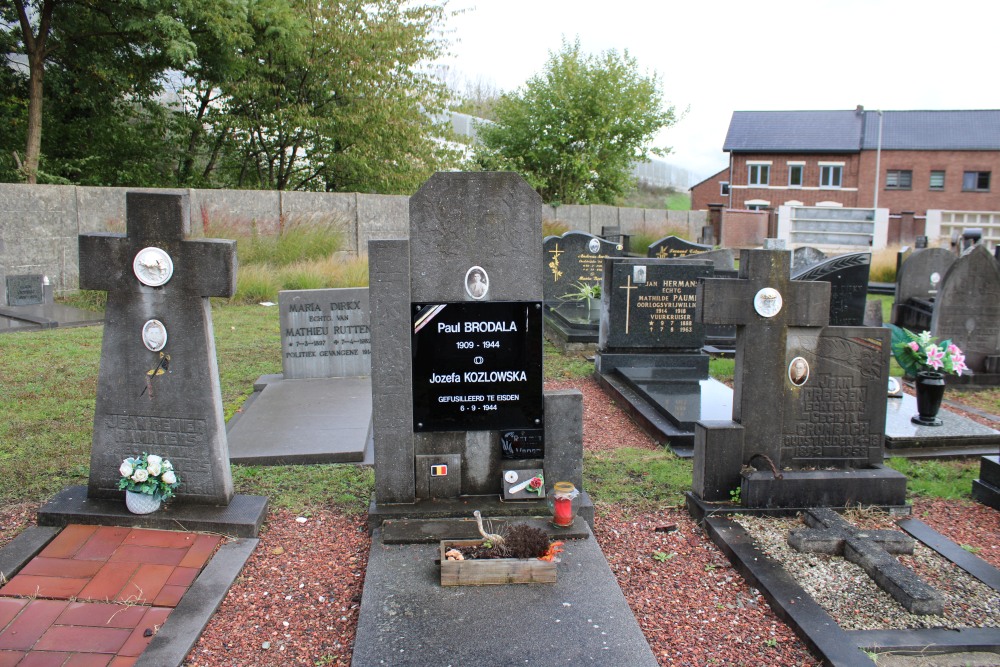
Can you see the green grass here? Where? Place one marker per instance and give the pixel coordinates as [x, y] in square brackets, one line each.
[938, 479]
[300, 488]
[636, 476]
[558, 366]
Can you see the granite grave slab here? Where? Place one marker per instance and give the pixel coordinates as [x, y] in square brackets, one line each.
[672, 247]
[918, 278]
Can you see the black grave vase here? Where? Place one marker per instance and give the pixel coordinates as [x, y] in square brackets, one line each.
[930, 391]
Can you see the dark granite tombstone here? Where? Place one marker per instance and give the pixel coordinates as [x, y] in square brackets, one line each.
[158, 387]
[809, 400]
[920, 243]
[918, 279]
[848, 278]
[806, 256]
[967, 311]
[670, 247]
[456, 360]
[649, 357]
[26, 290]
[572, 261]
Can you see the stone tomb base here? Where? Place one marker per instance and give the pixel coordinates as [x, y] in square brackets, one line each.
[408, 618]
[827, 640]
[243, 516]
[570, 326]
[957, 436]
[986, 489]
[879, 486]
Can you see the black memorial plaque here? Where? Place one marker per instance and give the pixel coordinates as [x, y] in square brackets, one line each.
[477, 366]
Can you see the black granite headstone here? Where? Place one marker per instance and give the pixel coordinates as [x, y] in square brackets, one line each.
[967, 309]
[573, 259]
[673, 246]
[25, 290]
[918, 279]
[848, 278]
[651, 305]
[158, 387]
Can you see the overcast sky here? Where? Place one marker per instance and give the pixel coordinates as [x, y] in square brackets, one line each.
[716, 57]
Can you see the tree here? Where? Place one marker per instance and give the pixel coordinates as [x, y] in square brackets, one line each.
[333, 97]
[574, 130]
[109, 58]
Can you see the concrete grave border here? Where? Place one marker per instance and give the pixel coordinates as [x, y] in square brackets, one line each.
[820, 632]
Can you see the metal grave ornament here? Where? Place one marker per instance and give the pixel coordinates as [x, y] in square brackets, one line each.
[767, 302]
[153, 267]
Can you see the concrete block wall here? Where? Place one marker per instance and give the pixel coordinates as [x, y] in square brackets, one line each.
[39, 224]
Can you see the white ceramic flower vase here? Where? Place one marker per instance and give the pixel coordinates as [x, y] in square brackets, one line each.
[141, 503]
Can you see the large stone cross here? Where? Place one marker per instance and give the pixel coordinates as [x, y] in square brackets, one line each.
[871, 550]
[158, 387]
[763, 302]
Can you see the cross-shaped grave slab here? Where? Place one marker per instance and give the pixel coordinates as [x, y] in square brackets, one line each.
[158, 387]
[872, 550]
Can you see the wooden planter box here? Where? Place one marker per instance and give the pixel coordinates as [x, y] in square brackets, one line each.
[477, 572]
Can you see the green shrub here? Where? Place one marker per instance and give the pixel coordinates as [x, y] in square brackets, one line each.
[256, 283]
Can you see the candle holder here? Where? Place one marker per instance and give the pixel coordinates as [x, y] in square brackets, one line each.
[564, 504]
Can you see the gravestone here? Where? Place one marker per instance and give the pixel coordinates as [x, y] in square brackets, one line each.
[967, 311]
[573, 260]
[848, 277]
[319, 409]
[918, 279]
[649, 358]
[809, 399]
[158, 386]
[806, 256]
[456, 369]
[27, 290]
[670, 247]
[325, 333]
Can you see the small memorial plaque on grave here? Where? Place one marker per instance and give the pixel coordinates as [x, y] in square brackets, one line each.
[26, 290]
[477, 366]
[673, 246]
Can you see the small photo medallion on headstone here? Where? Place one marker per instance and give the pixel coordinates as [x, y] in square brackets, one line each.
[477, 283]
[935, 279]
[594, 245]
[154, 335]
[767, 302]
[153, 267]
[895, 389]
[798, 371]
[639, 275]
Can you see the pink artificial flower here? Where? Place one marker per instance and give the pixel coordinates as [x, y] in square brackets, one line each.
[958, 364]
[913, 346]
[953, 350]
[934, 356]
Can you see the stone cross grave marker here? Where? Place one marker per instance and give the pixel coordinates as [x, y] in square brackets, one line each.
[763, 303]
[158, 386]
[871, 550]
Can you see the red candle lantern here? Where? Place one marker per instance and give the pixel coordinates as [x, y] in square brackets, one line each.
[563, 507]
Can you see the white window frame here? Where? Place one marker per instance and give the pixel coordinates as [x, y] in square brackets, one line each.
[756, 204]
[831, 168]
[723, 188]
[802, 175]
[758, 182]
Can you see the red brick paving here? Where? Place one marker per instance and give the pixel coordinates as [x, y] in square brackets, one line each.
[90, 597]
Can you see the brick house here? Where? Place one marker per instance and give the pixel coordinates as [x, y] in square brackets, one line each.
[906, 161]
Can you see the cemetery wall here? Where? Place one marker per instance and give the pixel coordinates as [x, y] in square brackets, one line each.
[39, 224]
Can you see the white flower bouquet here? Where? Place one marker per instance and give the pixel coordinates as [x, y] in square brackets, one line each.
[149, 474]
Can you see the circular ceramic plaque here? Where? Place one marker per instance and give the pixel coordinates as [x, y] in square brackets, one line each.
[594, 245]
[767, 302]
[154, 335]
[477, 283]
[153, 267]
[895, 388]
[510, 476]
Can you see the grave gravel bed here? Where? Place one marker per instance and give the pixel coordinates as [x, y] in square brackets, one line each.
[855, 601]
